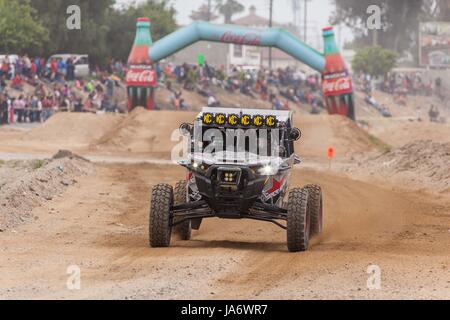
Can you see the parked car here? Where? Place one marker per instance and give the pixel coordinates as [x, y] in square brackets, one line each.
[12, 57]
[81, 62]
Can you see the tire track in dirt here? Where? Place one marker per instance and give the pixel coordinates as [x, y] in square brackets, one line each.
[101, 225]
[364, 225]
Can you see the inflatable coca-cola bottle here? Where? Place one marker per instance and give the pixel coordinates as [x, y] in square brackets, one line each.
[141, 77]
[336, 79]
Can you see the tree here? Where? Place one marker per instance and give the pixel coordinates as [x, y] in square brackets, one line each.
[399, 19]
[89, 39]
[229, 8]
[375, 61]
[438, 9]
[204, 13]
[20, 32]
[38, 27]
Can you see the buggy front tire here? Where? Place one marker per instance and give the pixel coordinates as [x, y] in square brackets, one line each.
[298, 220]
[185, 228]
[160, 220]
[316, 207]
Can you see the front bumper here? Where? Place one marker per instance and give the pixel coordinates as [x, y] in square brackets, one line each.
[230, 190]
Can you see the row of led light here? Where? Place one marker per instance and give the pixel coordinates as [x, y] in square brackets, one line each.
[245, 120]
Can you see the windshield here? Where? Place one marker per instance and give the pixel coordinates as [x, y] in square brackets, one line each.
[237, 143]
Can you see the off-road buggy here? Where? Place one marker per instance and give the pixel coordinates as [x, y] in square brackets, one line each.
[238, 165]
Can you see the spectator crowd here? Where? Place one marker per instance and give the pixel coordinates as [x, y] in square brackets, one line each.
[401, 85]
[32, 90]
[281, 87]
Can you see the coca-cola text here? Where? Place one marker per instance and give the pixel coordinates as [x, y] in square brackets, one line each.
[337, 86]
[141, 77]
[251, 39]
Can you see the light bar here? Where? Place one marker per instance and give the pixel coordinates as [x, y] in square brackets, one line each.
[235, 120]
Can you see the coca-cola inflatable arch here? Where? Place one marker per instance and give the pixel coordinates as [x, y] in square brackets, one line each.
[336, 79]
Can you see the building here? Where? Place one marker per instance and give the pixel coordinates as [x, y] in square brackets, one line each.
[255, 56]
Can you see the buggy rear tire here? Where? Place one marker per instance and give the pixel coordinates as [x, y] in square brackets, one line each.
[298, 220]
[316, 207]
[160, 220]
[184, 229]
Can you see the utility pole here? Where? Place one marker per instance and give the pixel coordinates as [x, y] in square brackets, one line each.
[270, 26]
[305, 32]
[374, 37]
[296, 8]
[209, 10]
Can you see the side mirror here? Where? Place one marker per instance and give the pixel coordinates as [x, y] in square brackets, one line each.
[186, 129]
[295, 134]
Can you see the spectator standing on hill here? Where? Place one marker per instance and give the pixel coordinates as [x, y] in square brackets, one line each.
[2, 83]
[106, 105]
[18, 66]
[70, 70]
[55, 104]
[62, 67]
[438, 85]
[33, 71]
[3, 109]
[276, 103]
[42, 66]
[11, 110]
[10, 101]
[109, 87]
[46, 109]
[17, 83]
[434, 114]
[89, 87]
[192, 79]
[212, 102]
[12, 71]
[35, 109]
[19, 107]
[37, 64]
[26, 66]
[419, 114]
[78, 105]
[175, 100]
[4, 68]
[183, 105]
[53, 69]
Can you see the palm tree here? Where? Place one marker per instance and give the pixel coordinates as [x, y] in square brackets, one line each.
[229, 8]
[203, 13]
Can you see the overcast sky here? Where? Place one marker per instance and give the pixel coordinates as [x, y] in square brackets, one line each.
[319, 12]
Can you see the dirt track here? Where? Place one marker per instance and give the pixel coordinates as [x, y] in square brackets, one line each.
[100, 225]
[148, 134]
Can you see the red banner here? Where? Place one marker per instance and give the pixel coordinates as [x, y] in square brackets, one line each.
[141, 76]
